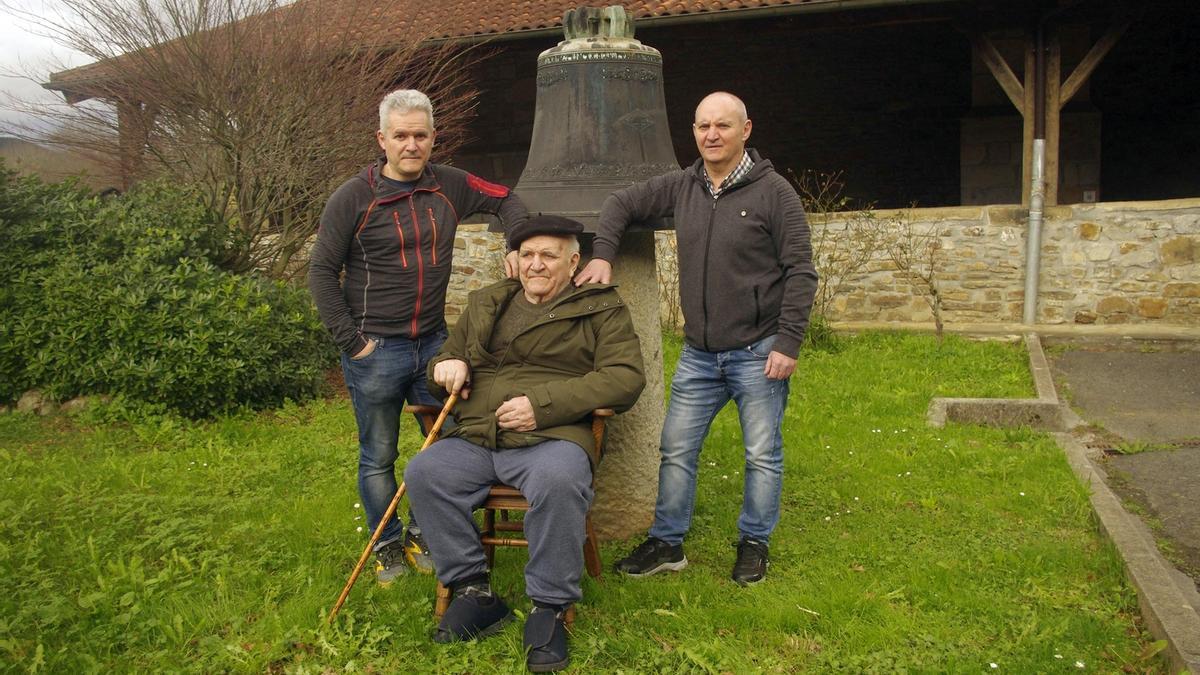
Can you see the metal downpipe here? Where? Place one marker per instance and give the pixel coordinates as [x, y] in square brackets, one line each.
[1033, 240]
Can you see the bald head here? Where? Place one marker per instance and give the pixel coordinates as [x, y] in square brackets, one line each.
[721, 130]
[725, 100]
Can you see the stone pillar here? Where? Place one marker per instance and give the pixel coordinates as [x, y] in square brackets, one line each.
[627, 479]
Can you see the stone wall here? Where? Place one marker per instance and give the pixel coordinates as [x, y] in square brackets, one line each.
[1105, 263]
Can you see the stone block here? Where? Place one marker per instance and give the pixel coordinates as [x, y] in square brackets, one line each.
[1142, 258]
[1152, 308]
[1182, 290]
[31, 401]
[889, 301]
[1134, 287]
[1089, 231]
[1114, 304]
[1084, 316]
[1007, 215]
[81, 403]
[1180, 251]
[1099, 252]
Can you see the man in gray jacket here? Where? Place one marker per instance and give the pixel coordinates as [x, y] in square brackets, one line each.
[390, 229]
[746, 286]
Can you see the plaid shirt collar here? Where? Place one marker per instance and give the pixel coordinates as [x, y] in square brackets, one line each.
[732, 179]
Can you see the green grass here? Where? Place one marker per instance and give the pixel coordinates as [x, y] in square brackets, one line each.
[164, 545]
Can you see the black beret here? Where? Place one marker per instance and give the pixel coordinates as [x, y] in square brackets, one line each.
[542, 224]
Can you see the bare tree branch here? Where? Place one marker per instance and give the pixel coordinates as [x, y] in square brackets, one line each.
[266, 106]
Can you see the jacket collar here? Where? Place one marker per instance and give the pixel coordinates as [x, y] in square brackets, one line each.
[761, 168]
[568, 304]
[373, 175]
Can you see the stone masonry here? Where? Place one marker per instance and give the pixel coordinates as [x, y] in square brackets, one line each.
[1105, 263]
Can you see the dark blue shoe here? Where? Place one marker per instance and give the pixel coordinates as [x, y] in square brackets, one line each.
[475, 612]
[546, 641]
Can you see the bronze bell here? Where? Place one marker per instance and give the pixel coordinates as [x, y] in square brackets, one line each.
[600, 122]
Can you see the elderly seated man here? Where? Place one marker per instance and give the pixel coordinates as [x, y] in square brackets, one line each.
[530, 359]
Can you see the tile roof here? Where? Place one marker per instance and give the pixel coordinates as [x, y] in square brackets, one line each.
[473, 18]
[488, 19]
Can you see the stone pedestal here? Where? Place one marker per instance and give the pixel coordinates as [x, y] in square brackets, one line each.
[627, 479]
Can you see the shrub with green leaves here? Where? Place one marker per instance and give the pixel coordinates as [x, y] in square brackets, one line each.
[121, 296]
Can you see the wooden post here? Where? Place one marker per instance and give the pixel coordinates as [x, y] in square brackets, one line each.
[1053, 116]
[1027, 112]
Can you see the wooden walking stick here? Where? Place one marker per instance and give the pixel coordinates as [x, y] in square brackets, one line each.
[387, 516]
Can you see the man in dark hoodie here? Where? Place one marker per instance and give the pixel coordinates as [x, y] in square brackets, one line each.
[746, 285]
[391, 229]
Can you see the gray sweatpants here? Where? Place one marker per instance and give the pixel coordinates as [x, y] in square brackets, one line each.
[450, 479]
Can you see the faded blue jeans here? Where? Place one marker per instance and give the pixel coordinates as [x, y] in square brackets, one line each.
[704, 382]
[379, 384]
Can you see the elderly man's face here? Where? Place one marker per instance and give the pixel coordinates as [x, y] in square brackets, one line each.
[407, 142]
[721, 130]
[545, 266]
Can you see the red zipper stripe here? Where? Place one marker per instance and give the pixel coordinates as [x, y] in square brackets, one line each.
[400, 231]
[366, 217]
[420, 269]
[433, 226]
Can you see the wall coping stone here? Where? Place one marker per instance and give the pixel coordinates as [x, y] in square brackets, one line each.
[1138, 331]
[1011, 214]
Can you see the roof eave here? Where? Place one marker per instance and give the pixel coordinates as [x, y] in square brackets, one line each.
[77, 91]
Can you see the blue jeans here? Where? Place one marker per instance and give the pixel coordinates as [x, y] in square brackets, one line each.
[379, 384]
[704, 382]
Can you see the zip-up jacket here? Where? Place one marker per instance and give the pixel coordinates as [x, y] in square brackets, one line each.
[580, 354]
[395, 247]
[745, 258]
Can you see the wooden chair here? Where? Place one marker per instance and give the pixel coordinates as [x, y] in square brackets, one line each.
[502, 500]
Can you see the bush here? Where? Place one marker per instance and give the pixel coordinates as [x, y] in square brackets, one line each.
[121, 296]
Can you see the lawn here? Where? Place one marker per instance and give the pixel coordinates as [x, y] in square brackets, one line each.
[166, 545]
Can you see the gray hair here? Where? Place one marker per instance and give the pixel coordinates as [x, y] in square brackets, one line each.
[404, 101]
[572, 245]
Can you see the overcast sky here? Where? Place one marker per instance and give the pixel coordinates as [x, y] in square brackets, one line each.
[23, 51]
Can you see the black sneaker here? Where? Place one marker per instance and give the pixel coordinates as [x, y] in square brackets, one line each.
[416, 553]
[751, 564]
[475, 612]
[389, 562]
[651, 557]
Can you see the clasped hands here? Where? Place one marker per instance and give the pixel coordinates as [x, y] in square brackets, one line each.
[516, 414]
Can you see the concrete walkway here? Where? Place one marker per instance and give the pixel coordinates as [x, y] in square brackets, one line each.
[1141, 405]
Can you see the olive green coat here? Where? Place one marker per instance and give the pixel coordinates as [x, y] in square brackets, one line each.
[580, 354]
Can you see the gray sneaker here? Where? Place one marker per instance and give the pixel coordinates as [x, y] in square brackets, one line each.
[389, 562]
[416, 553]
[651, 557]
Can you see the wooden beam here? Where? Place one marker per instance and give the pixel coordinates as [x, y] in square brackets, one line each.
[1093, 58]
[1053, 116]
[1027, 111]
[995, 62]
